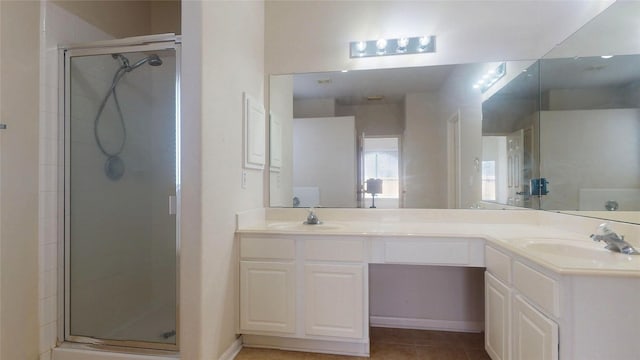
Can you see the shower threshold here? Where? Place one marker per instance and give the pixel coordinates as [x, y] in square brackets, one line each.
[76, 351]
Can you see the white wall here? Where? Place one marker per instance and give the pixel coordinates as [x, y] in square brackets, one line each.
[324, 156]
[212, 86]
[586, 99]
[620, 20]
[424, 152]
[307, 108]
[467, 31]
[19, 100]
[457, 96]
[429, 295]
[375, 119]
[571, 156]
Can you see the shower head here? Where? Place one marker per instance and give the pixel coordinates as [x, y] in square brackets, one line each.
[153, 60]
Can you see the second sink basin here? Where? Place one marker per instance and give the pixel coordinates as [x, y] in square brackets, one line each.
[569, 248]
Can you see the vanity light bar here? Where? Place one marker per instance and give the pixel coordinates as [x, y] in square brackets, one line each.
[399, 46]
[491, 77]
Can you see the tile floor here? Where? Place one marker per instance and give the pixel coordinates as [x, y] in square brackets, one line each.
[395, 344]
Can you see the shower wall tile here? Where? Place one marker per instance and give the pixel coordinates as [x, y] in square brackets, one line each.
[51, 99]
[49, 151]
[51, 66]
[46, 355]
[48, 230]
[48, 126]
[48, 309]
[47, 336]
[49, 176]
[49, 284]
[50, 257]
[48, 204]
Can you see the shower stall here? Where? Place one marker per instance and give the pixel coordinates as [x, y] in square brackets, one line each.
[121, 194]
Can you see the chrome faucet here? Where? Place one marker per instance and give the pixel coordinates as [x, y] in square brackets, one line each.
[614, 241]
[312, 218]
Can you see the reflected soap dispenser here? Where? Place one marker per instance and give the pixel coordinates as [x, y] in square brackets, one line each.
[539, 186]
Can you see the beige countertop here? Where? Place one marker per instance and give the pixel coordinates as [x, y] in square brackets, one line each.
[561, 251]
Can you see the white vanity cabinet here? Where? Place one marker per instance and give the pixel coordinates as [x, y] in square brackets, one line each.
[304, 293]
[334, 287]
[535, 336]
[514, 328]
[334, 300]
[267, 285]
[497, 303]
[497, 318]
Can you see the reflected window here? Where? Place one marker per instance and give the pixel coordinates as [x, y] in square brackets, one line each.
[381, 161]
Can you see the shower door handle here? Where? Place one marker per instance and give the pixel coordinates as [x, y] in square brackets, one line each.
[173, 205]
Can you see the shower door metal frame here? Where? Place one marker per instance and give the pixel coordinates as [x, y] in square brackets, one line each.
[135, 44]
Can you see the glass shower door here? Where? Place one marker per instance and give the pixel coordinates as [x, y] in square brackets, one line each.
[120, 197]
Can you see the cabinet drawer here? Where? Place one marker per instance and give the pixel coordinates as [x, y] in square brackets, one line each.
[538, 287]
[334, 250]
[498, 264]
[434, 251]
[265, 247]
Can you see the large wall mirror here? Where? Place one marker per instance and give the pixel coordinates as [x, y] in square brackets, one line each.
[426, 138]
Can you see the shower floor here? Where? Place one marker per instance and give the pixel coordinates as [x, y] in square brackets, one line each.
[155, 325]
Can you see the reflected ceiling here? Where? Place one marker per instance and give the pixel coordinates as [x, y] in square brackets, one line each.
[354, 87]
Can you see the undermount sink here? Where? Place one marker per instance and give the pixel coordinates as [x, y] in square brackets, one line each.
[295, 226]
[568, 248]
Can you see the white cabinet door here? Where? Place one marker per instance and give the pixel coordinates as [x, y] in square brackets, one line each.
[535, 337]
[334, 300]
[497, 317]
[267, 296]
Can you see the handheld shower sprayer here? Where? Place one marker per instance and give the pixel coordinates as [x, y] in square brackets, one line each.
[114, 167]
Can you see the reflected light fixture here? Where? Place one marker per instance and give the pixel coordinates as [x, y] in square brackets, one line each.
[606, 56]
[397, 46]
[491, 77]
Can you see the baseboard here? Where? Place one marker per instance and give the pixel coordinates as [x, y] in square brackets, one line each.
[232, 350]
[426, 324]
[355, 348]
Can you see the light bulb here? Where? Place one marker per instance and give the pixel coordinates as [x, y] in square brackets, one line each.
[424, 41]
[361, 46]
[381, 45]
[402, 43]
